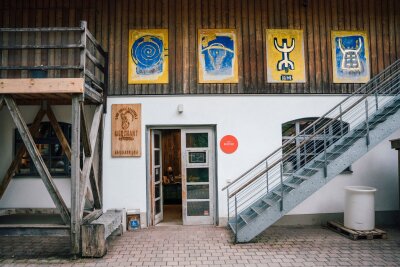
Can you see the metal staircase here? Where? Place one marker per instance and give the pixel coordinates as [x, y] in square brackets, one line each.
[267, 191]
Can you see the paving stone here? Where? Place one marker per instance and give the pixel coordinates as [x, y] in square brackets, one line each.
[211, 246]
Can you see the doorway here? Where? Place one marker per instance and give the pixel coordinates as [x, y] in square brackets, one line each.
[181, 176]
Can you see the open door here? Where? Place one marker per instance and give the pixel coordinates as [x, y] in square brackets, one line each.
[156, 176]
[197, 176]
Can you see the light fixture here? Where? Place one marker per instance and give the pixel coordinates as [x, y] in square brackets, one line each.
[180, 108]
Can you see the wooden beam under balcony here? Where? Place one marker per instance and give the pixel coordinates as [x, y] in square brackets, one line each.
[42, 86]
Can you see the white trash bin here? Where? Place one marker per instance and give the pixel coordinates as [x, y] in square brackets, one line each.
[359, 210]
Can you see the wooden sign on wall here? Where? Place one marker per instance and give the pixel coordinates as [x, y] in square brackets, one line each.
[126, 130]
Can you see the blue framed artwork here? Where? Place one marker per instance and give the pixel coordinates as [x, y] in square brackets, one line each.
[217, 56]
[148, 56]
[350, 57]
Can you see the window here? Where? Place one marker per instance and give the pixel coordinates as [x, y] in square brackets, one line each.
[300, 156]
[49, 147]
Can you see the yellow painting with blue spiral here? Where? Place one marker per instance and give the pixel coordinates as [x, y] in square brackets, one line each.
[217, 51]
[148, 56]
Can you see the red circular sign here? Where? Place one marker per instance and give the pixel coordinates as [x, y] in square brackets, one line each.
[228, 144]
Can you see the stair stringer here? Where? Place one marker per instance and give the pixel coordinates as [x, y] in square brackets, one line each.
[317, 180]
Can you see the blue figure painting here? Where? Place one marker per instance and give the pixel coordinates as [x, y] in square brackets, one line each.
[217, 57]
[351, 57]
[147, 54]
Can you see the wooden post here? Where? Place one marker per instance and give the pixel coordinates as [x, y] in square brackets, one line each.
[37, 159]
[75, 176]
[87, 165]
[83, 50]
[84, 133]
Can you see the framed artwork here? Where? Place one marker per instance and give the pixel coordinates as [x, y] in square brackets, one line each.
[285, 56]
[148, 56]
[350, 57]
[217, 56]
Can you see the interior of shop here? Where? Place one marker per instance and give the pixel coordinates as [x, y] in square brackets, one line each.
[172, 177]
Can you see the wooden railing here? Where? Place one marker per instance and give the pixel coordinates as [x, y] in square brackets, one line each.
[58, 52]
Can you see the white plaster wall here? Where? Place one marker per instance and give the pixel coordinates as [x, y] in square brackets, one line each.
[256, 122]
[30, 192]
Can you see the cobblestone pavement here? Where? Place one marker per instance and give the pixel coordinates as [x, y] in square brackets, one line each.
[212, 246]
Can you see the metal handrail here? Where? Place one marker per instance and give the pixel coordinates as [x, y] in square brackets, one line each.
[362, 88]
[285, 157]
[268, 174]
[335, 127]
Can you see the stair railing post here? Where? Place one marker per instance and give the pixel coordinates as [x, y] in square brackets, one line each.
[341, 121]
[227, 198]
[366, 122]
[325, 158]
[266, 175]
[236, 220]
[281, 166]
[376, 100]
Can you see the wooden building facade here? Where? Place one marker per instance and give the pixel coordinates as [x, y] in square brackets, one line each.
[110, 22]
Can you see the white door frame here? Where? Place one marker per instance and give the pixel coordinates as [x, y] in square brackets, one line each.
[208, 163]
[149, 217]
[156, 170]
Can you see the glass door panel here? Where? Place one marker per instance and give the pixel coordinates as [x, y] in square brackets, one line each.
[156, 177]
[198, 178]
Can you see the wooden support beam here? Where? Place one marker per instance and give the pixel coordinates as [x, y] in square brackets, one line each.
[34, 230]
[95, 189]
[37, 159]
[84, 133]
[92, 95]
[92, 216]
[87, 164]
[76, 217]
[34, 130]
[42, 86]
[60, 135]
[29, 211]
[95, 234]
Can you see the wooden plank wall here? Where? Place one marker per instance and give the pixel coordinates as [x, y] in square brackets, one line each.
[171, 151]
[111, 20]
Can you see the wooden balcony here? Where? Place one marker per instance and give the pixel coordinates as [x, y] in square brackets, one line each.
[52, 64]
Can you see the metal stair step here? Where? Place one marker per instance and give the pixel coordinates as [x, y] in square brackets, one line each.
[292, 185]
[232, 225]
[322, 160]
[302, 177]
[257, 210]
[245, 218]
[269, 202]
[312, 169]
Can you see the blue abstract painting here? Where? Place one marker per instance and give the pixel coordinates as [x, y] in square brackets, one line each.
[217, 58]
[148, 62]
[350, 54]
[147, 53]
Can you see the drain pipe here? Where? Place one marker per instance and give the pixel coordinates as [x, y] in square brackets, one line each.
[396, 145]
